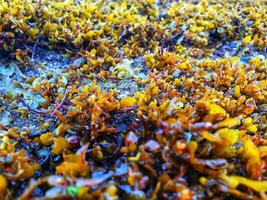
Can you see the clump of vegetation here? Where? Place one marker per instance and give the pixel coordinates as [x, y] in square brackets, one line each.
[194, 128]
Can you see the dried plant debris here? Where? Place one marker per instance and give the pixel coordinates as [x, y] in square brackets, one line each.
[133, 100]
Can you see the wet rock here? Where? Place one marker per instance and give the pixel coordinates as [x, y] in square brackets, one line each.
[44, 157]
[57, 158]
[245, 59]
[176, 73]
[38, 192]
[250, 23]
[5, 118]
[121, 167]
[136, 195]
[73, 140]
[78, 62]
[152, 145]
